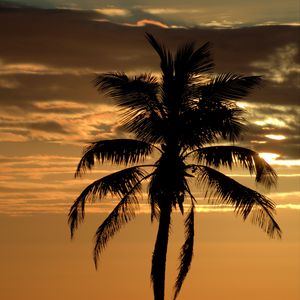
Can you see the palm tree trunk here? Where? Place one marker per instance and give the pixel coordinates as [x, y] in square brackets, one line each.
[160, 254]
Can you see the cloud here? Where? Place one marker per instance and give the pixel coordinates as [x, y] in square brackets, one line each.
[67, 66]
[144, 22]
[273, 128]
[8, 83]
[112, 11]
[281, 66]
[171, 11]
[277, 137]
[48, 126]
[60, 122]
[12, 137]
[59, 106]
[222, 24]
[47, 78]
[48, 104]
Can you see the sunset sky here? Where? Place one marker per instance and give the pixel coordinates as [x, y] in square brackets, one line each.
[50, 51]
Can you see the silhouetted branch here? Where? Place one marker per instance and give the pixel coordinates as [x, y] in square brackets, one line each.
[223, 189]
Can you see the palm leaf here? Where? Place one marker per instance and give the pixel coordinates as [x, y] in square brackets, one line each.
[141, 108]
[228, 87]
[209, 124]
[230, 156]
[189, 66]
[166, 60]
[121, 214]
[118, 85]
[167, 87]
[189, 61]
[117, 184]
[186, 253]
[118, 151]
[138, 93]
[223, 117]
[146, 126]
[223, 189]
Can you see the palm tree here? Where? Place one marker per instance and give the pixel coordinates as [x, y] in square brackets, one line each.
[184, 117]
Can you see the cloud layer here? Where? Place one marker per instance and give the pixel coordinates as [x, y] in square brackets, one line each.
[48, 105]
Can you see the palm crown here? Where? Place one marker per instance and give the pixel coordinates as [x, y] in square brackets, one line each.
[183, 116]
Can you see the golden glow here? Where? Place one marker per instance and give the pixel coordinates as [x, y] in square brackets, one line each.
[269, 157]
[270, 121]
[277, 137]
[287, 162]
[243, 104]
[258, 142]
[144, 22]
[113, 11]
[58, 104]
[171, 11]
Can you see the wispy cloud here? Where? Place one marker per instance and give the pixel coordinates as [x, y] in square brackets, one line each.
[60, 121]
[221, 24]
[49, 105]
[172, 11]
[144, 22]
[113, 11]
[60, 106]
[282, 65]
[8, 83]
[274, 129]
[39, 69]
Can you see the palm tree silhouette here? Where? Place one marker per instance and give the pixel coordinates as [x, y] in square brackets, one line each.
[183, 116]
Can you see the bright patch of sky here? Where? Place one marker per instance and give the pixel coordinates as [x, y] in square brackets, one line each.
[277, 137]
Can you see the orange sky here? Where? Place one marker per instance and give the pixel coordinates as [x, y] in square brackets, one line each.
[49, 110]
[233, 260]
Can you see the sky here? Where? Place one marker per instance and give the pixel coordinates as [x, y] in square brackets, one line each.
[49, 110]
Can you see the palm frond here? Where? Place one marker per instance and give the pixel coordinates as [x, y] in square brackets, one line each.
[209, 124]
[189, 66]
[186, 253]
[223, 117]
[229, 156]
[146, 126]
[229, 87]
[138, 93]
[118, 151]
[119, 85]
[121, 214]
[223, 189]
[117, 184]
[189, 61]
[166, 59]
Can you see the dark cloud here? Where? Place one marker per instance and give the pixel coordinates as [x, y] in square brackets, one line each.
[68, 45]
[217, 12]
[23, 127]
[32, 88]
[53, 55]
[48, 126]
